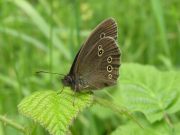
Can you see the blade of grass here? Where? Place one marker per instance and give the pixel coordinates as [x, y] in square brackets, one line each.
[13, 124]
[158, 13]
[77, 20]
[41, 24]
[23, 36]
[51, 40]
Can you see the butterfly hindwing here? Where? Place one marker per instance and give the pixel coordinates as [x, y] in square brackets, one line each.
[100, 67]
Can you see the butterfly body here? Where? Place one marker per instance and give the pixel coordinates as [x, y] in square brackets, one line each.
[97, 63]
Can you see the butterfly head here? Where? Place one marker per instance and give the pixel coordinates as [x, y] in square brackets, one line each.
[67, 80]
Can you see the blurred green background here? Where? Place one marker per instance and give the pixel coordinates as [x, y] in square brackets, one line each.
[46, 35]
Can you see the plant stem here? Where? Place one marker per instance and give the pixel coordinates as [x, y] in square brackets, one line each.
[51, 41]
[12, 123]
[116, 108]
[168, 120]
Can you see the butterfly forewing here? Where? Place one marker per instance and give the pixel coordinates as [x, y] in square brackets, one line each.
[107, 28]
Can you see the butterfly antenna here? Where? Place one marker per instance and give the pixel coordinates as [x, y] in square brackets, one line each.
[39, 72]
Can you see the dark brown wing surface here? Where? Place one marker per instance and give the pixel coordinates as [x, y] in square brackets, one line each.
[108, 28]
[100, 67]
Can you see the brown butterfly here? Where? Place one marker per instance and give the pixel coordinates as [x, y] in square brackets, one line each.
[97, 63]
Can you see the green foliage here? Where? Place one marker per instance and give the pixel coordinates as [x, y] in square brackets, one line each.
[148, 90]
[133, 129]
[160, 128]
[55, 111]
[46, 35]
[41, 24]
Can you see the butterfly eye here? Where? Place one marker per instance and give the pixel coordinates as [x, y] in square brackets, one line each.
[100, 52]
[109, 68]
[110, 76]
[102, 35]
[109, 59]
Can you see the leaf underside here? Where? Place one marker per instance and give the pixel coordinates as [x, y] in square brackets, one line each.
[55, 111]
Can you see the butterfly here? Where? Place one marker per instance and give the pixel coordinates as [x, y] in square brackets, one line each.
[97, 63]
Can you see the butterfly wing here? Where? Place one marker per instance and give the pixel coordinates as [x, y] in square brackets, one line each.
[100, 67]
[108, 28]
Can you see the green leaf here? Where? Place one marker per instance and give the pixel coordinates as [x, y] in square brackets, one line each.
[134, 129]
[55, 111]
[130, 129]
[158, 128]
[148, 90]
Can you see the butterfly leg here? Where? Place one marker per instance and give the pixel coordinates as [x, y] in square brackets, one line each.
[61, 90]
[74, 94]
[74, 97]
